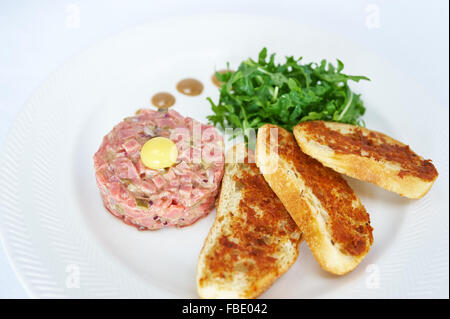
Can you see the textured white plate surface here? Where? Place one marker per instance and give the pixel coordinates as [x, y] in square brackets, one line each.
[63, 243]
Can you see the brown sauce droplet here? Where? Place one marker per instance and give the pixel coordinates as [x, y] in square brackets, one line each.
[216, 81]
[163, 100]
[191, 87]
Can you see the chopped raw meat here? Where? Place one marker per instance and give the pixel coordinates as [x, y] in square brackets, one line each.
[152, 199]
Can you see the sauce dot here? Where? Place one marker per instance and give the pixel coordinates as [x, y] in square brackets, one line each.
[216, 81]
[191, 87]
[163, 100]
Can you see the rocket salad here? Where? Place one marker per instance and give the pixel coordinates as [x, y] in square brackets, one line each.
[262, 91]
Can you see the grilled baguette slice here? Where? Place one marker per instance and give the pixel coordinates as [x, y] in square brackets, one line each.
[334, 223]
[367, 155]
[253, 240]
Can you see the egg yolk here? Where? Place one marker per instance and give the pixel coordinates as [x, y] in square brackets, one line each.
[159, 152]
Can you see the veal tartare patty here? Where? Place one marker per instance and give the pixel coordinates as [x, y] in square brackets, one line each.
[174, 196]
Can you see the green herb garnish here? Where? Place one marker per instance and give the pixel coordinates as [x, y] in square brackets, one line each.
[261, 92]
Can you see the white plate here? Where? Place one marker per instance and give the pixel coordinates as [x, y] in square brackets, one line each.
[63, 243]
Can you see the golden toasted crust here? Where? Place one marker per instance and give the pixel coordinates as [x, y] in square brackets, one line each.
[367, 155]
[253, 240]
[335, 224]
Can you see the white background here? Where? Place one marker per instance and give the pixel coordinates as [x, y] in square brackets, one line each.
[38, 36]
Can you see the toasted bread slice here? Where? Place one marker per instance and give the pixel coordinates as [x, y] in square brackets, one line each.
[253, 240]
[333, 221]
[367, 155]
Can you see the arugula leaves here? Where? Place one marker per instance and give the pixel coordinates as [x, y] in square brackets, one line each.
[261, 92]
